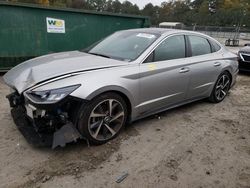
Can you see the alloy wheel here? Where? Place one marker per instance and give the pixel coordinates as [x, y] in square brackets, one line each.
[222, 87]
[106, 119]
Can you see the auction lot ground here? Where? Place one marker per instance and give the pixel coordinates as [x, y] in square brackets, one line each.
[197, 145]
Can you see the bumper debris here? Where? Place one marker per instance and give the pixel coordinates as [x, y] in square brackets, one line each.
[66, 134]
[43, 128]
[28, 131]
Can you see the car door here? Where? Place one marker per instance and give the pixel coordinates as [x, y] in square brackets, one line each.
[205, 66]
[164, 76]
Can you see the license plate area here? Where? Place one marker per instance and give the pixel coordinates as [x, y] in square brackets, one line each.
[30, 110]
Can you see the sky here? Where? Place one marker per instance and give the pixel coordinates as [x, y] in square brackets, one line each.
[142, 3]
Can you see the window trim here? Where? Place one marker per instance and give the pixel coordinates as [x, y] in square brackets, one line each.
[188, 47]
[153, 54]
[211, 46]
[161, 41]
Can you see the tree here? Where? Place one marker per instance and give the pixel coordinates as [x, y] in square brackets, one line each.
[98, 5]
[129, 8]
[176, 11]
[153, 12]
[190, 12]
[116, 6]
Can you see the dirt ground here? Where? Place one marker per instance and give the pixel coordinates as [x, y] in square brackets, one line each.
[198, 145]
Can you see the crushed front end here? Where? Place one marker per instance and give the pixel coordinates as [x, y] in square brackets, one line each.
[45, 124]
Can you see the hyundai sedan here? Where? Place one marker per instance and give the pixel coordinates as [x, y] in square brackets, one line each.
[92, 94]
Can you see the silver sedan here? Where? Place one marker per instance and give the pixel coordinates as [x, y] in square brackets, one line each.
[131, 74]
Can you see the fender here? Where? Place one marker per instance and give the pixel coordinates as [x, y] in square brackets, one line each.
[112, 88]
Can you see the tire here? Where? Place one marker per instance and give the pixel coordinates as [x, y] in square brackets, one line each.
[221, 87]
[97, 127]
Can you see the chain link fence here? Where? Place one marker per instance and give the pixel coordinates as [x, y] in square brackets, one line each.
[221, 32]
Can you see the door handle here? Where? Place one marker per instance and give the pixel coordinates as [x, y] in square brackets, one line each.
[184, 69]
[216, 64]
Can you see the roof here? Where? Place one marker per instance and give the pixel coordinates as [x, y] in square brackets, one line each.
[153, 30]
[165, 31]
[161, 31]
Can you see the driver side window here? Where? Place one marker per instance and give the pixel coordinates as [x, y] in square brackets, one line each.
[171, 48]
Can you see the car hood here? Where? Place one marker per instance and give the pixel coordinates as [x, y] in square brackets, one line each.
[245, 49]
[47, 67]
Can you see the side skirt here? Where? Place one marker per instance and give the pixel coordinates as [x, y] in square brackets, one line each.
[166, 108]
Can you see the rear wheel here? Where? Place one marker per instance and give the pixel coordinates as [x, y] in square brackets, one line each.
[103, 118]
[221, 88]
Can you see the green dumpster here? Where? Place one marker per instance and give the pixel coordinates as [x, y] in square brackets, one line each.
[28, 31]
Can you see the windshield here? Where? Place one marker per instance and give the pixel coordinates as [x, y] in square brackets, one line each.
[125, 45]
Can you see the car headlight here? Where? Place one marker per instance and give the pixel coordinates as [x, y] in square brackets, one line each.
[50, 96]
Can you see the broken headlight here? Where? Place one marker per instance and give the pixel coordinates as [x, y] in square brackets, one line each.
[50, 96]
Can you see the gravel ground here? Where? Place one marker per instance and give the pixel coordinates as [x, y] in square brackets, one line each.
[197, 145]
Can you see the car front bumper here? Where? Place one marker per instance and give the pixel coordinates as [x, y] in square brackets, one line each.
[24, 125]
[48, 126]
[244, 66]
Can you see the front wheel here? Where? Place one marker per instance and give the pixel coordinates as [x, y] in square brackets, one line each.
[102, 118]
[221, 88]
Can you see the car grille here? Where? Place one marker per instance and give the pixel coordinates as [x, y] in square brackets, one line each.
[244, 66]
[245, 57]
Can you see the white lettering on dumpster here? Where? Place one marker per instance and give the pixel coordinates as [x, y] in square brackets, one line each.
[55, 25]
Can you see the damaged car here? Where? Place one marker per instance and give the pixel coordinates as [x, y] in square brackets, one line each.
[92, 94]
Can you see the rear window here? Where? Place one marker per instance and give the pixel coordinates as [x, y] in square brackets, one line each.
[199, 45]
[215, 46]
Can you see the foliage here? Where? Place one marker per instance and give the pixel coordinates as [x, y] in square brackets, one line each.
[195, 12]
